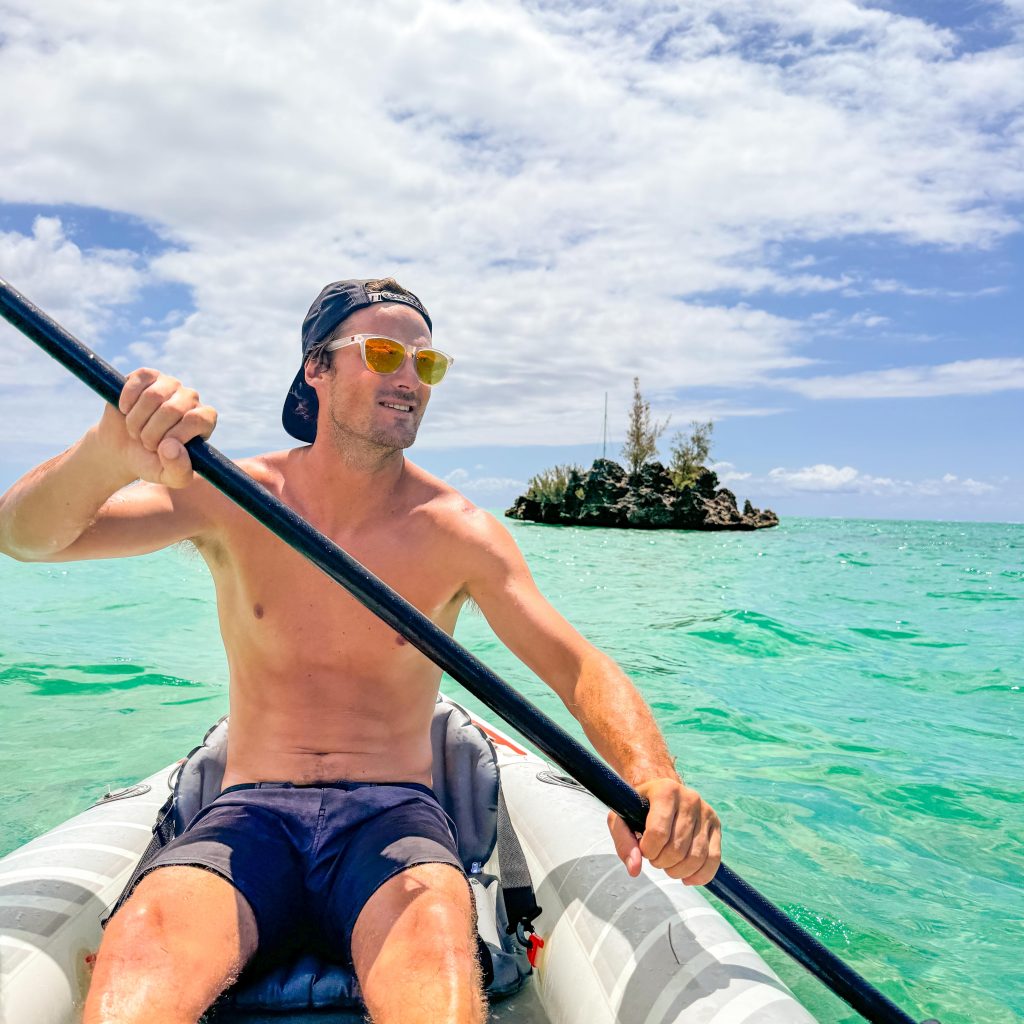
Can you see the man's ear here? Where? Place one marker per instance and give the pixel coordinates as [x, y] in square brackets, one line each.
[315, 372]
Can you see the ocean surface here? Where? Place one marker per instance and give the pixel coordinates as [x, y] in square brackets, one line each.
[847, 694]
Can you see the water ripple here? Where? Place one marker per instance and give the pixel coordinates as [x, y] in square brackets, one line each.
[838, 690]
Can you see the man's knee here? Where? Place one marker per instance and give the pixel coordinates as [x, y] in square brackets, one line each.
[187, 909]
[180, 939]
[138, 930]
[423, 916]
[425, 895]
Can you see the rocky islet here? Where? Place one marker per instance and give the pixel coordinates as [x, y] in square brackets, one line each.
[606, 495]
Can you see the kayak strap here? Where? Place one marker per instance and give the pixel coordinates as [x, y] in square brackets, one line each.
[516, 884]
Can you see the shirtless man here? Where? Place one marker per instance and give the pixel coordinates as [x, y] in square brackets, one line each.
[321, 690]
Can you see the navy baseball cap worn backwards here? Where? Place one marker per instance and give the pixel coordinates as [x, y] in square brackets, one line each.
[336, 302]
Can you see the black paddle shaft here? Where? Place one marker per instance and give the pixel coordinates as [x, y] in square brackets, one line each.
[454, 659]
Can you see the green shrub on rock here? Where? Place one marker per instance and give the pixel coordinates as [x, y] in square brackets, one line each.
[690, 453]
[549, 485]
[641, 444]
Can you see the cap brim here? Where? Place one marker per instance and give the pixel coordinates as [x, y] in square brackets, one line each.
[300, 394]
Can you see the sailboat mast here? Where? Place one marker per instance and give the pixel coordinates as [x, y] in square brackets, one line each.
[604, 444]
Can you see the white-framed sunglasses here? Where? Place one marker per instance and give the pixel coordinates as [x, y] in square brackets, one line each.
[386, 355]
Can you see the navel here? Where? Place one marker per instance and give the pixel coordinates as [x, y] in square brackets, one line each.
[257, 610]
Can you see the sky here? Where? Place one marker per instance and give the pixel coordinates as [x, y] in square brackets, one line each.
[799, 218]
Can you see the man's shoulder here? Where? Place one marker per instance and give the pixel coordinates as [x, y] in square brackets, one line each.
[268, 468]
[457, 519]
[446, 507]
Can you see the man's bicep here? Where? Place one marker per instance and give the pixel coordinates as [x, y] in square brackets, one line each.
[137, 520]
[523, 618]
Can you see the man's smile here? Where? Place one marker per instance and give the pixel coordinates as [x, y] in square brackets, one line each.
[398, 406]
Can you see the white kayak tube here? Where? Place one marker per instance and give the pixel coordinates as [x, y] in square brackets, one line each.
[616, 950]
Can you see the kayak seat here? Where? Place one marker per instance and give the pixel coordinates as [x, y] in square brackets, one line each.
[466, 782]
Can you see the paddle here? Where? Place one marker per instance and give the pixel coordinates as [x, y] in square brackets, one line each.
[476, 677]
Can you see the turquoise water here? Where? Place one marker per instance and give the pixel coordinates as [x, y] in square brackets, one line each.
[847, 694]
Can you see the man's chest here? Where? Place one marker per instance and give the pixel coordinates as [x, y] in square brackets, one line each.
[269, 594]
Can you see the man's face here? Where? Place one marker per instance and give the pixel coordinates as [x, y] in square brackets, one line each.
[355, 401]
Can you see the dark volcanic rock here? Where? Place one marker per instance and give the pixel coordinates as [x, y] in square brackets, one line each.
[649, 503]
[606, 495]
[721, 513]
[706, 483]
[762, 518]
[598, 497]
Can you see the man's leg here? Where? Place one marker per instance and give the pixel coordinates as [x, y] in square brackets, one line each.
[179, 941]
[414, 949]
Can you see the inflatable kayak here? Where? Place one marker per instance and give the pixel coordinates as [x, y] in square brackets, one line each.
[606, 947]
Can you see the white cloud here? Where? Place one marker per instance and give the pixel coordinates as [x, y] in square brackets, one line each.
[82, 289]
[825, 478]
[559, 182]
[728, 474]
[964, 377]
[951, 482]
[462, 480]
[889, 287]
[866, 319]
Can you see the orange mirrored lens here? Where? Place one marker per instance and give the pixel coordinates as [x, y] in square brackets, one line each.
[431, 365]
[383, 355]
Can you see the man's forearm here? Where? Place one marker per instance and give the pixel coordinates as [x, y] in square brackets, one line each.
[51, 506]
[618, 721]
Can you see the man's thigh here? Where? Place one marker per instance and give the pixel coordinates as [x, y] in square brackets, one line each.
[414, 948]
[371, 835]
[182, 937]
[255, 841]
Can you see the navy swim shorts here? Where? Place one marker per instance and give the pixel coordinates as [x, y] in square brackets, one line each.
[307, 858]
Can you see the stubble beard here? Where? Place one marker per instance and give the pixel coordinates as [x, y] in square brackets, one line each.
[374, 442]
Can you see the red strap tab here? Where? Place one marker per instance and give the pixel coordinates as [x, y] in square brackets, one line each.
[536, 945]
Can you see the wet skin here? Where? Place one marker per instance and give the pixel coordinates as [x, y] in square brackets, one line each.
[320, 688]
